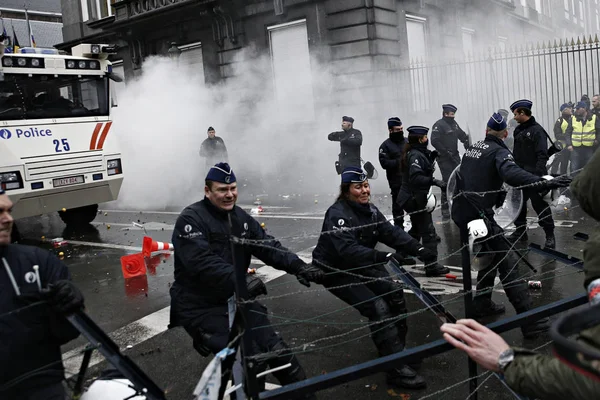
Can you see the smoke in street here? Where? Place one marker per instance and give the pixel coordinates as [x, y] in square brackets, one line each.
[275, 149]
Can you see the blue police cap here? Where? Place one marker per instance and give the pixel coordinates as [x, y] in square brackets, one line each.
[417, 130]
[581, 104]
[566, 105]
[210, 128]
[347, 119]
[497, 122]
[394, 121]
[221, 172]
[353, 175]
[523, 103]
[449, 108]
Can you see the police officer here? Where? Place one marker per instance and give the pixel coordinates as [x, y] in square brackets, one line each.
[531, 154]
[390, 158]
[204, 273]
[561, 126]
[417, 178]
[213, 149]
[352, 228]
[350, 141]
[32, 322]
[445, 135]
[581, 136]
[484, 168]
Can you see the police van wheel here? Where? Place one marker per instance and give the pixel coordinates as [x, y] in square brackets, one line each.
[79, 216]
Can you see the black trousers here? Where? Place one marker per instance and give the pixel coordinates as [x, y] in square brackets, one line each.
[447, 166]
[211, 333]
[397, 212]
[561, 162]
[378, 300]
[422, 228]
[516, 288]
[541, 208]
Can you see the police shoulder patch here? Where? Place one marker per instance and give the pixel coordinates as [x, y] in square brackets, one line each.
[341, 222]
[381, 150]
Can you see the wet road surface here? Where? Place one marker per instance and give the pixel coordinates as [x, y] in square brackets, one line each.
[135, 312]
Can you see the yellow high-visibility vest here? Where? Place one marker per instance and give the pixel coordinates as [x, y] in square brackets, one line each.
[583, 135]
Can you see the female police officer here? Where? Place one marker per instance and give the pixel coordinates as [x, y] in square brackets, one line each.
[351, 229]
[417, 178]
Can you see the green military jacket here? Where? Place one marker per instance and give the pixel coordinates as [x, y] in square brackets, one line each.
[546, 377]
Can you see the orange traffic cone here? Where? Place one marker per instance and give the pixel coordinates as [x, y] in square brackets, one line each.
[136, 286]
[133, 265]
[153, 262]
[149, 246]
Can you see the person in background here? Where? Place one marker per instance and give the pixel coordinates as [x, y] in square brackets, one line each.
[350, 142]
[213, 149]
[562, 124]
[390, 158]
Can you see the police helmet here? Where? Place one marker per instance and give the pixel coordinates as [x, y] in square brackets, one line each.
[480, 257]
[431, 201]
[111, 389]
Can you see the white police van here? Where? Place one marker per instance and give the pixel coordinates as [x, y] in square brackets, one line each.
[57, 149]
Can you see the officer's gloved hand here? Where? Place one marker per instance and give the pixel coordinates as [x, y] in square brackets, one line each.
[426, 255]
[402, 260]
[434, 155]
[441, 184]
[308, 273]
[29, 298]
[256, 286]
[558, 182]
[65, 297]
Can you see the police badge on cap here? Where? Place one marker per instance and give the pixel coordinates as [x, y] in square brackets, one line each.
[221, 172]
[353, 175]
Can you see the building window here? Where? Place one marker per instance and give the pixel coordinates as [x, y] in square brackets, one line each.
[538, 6]
[467, 40]
[581, 13]
[96, 9]
[597, 20]
[292, 76]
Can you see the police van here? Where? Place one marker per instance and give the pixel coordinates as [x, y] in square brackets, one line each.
[58, 149]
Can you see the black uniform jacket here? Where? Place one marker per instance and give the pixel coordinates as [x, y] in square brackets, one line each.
[344, 246]
[350, 142]
[390, 158]
[416, 177]
[30, 336]
[531, 147]
[204, 272]
[485, 167]
[445, 135]
[214, 150]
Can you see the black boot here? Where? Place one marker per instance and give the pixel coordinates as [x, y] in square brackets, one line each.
[550, 241]
[436, 270]
[406, 378]
[519, 235]
[486, 308]
[535, 329]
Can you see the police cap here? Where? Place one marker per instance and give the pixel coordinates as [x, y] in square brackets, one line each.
[353, 175]
[523, 103]
[347, 119]
[394, 121]
[416, 130]
[449, 108]
[497, 122]
[221, 172]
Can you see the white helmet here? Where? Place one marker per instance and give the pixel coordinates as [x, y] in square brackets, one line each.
[552, 196]
[431, 201]
[478, 230]
[111, 389]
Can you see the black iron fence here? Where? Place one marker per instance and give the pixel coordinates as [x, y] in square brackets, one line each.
[549, 74]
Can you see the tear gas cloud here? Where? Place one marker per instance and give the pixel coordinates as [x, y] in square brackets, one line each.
[273, 146]
[277, 136]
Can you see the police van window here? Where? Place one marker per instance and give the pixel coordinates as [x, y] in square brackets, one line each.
[42, 96]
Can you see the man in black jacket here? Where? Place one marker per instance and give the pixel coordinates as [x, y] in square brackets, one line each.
[562, 124]
[531, 154]
[350, 141]
[35, 295]
[390, 158]
[485, 166]
[213, 149]
[445, 135]
[204, 273]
